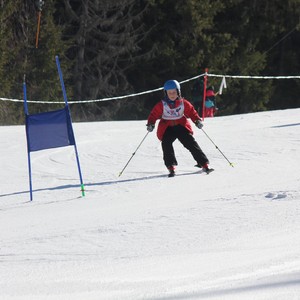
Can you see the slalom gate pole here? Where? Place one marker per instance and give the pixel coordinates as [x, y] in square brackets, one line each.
[231, 164]
[133, 154]
[67, 105]
[26, 127]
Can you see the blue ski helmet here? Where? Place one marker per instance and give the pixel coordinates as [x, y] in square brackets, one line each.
[172, 84]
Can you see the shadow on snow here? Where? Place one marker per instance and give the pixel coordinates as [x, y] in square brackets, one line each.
[112, 182]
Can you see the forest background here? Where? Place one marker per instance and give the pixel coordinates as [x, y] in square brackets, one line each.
[114, 48]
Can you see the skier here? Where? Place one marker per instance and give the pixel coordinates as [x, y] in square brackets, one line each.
[173, 111]
[210, 102]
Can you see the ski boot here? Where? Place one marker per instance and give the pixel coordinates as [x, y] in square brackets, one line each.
[171, 171]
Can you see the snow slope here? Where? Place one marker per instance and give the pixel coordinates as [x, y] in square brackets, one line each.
[233, 234]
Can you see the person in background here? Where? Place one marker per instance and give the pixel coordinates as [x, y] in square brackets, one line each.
[210, 103]
[173, 111]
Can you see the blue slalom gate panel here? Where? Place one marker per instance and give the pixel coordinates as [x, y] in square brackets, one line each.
[49, 130]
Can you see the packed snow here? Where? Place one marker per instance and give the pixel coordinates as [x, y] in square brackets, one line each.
[233, 234]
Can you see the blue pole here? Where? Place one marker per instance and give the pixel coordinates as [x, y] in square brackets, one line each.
[25, 96]
[61, 80]
[28, 151]
[67, 105]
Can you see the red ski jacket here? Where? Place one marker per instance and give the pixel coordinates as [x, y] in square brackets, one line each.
[157, 113]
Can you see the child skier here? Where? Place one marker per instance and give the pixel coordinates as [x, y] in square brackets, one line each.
[173, 112]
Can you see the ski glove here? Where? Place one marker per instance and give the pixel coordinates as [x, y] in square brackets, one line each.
[150, 127]
[199, 124]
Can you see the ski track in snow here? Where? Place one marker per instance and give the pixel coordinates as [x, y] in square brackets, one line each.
[232, 234]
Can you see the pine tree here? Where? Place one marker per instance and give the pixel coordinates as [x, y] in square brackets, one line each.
[20, 56]
[185, 42]
[105, 37]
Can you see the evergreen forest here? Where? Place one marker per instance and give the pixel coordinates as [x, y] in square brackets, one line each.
[110, 48]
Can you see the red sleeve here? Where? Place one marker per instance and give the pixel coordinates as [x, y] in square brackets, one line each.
[156, 113]
[190, 111]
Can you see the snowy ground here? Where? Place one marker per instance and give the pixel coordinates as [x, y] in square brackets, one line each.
[233, 234]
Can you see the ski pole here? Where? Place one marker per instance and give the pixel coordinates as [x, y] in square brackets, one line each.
[231, 164]
[133, 153]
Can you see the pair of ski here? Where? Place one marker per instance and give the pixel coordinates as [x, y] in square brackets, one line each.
[207, 171]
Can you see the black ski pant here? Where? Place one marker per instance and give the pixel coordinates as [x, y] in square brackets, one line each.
[186, 138]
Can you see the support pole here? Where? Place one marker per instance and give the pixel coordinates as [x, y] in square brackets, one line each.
[26, 127]
[67, 105]
[204, 92]
[38, 30]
